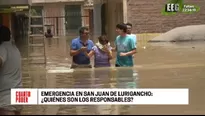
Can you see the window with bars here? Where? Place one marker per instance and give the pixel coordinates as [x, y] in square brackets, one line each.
[73, 17]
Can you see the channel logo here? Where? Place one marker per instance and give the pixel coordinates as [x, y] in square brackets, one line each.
[24, 96]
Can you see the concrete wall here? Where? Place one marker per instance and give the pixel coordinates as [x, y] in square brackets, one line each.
[147, 18]
[15, 2]
[97, 20]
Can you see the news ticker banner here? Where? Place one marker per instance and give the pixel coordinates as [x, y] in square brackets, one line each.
[100, 96]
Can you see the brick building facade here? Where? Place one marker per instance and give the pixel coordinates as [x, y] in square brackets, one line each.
[146, 17]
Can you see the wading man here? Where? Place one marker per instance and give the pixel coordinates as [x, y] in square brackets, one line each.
[129, 32]
[78, 48]
[124, 46]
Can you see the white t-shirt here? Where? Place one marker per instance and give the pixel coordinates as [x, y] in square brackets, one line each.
[134, 37]
[10, 73]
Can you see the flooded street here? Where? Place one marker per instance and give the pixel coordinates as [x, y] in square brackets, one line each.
[173, 65]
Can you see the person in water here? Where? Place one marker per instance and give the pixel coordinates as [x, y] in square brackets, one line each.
[48, 34]
[129, 32]
[10, 72]
[102, 52]
[79, 46]
[124, 46]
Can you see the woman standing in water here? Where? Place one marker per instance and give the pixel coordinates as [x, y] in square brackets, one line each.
[10, 72]
[102, 52]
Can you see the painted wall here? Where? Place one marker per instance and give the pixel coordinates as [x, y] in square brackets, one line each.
[6, 19]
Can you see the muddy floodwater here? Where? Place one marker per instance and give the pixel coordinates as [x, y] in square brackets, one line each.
[157, 65]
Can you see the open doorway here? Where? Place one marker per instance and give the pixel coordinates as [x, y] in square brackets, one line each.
[111, 15]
